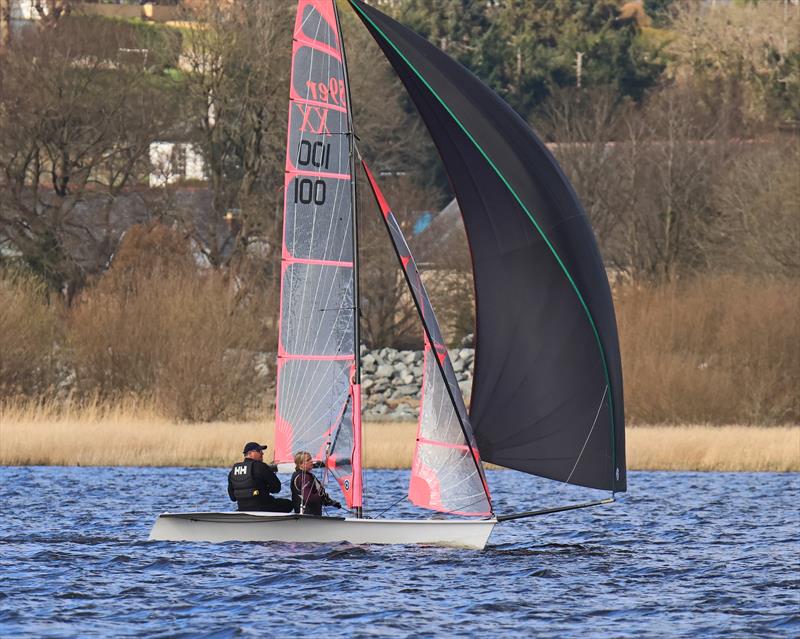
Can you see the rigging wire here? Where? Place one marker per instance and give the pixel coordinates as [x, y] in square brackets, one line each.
[562, 489]
[591, 430]
[380, 514]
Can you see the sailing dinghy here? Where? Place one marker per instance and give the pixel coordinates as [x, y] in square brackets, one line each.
[547, 385]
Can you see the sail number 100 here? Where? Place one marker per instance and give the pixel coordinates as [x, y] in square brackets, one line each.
[307, 191]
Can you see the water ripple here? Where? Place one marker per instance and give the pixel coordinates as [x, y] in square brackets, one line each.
[683, 554]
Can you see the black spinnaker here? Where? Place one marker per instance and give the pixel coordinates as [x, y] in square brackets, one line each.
[547, 392]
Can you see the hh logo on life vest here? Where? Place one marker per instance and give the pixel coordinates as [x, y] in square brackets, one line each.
[240, 470]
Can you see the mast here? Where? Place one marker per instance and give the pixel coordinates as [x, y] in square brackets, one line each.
[357, 428]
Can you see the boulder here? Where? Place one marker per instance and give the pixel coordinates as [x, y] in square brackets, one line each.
[404, 412]
[384, 371]
[369, 363]
[407, 390]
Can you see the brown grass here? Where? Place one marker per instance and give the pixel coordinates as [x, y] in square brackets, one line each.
[129, 434]
[716, 350]
[717, 448]
[721, 350]
[135, 435]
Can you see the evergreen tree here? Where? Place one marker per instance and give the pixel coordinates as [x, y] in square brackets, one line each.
[526, 48]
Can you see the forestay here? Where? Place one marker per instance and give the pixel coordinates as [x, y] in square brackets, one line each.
[446, 473]
[317, 407]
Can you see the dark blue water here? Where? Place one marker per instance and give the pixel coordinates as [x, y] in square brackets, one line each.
[682, 555]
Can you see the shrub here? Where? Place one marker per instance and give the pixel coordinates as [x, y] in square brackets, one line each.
[28, 336]
[157, 328]
[179, 339]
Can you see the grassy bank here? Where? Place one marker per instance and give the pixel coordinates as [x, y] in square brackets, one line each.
[138, 436]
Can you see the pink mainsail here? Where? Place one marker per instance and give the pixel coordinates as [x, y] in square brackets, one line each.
[317, 408]
[446, 473]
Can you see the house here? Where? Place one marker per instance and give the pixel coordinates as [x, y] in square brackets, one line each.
[173, 162]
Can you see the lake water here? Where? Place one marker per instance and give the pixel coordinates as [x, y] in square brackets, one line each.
[681, 555]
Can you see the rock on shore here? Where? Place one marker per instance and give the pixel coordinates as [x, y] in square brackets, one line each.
[391, 381]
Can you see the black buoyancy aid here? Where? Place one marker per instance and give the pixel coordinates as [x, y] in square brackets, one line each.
[244, 484]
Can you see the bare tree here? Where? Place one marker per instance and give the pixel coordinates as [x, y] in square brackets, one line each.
[389, 317]
[5, 23]
[673, 160]
[237, 56]
[645, 176]
[584, 129]
[759, 197]
[390, 134]
[75, 128]
[51, 11]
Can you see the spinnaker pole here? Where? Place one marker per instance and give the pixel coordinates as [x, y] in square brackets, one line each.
[356, 387]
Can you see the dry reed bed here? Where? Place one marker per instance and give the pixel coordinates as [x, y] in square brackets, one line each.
[721, 350]
[138, 436]
[714, 448]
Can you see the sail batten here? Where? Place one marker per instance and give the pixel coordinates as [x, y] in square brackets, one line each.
[531, 243]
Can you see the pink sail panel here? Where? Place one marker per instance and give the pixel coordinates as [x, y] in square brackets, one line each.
[315, 402]
[443, 473]
[344, 469]
[343, 450]
[446, 473]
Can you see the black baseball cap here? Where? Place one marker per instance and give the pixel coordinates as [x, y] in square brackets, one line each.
[252, 446]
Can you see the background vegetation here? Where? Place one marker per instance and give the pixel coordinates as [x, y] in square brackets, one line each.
[677, 122]
[720, 350]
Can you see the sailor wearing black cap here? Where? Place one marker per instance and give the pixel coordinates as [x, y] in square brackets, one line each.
[251, 481]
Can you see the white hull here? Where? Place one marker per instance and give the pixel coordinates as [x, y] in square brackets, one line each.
[257, 526]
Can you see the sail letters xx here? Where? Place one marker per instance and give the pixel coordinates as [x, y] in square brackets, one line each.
[315, 119]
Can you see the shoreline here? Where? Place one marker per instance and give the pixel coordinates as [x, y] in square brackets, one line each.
[125, 437]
